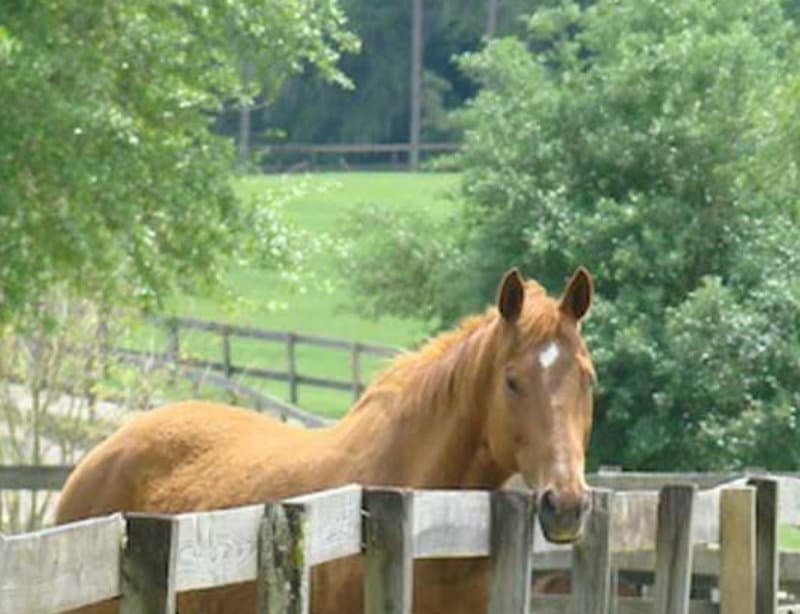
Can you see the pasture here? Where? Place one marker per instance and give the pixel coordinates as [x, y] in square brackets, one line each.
[319, 305]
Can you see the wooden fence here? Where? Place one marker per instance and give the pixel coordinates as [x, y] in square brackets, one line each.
[687, 539]
[221, 371]
[313, 155]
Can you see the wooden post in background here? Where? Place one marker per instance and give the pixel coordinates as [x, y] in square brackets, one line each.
[244, 116]
[591, 559]
[491, 18]
[766, 544]
[226, 353]
[226, 361]
[737, 573]
[148, 565]
[291, 364]
[511, 557]
[283, 572]
[173, 340]
[389, 550]
[674, 550]
[415, 106]
[355, 362]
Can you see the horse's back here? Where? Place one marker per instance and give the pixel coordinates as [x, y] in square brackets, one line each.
[165, 459]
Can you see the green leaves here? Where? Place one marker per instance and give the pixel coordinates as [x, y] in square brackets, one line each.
[110, 179]
[652, 142]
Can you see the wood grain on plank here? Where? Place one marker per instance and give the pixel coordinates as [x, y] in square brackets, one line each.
[283, 586]
[737, 581]
[61, 568]
[389, 551]
[513, 515]
[766, 544]
[451, 523]
[591, 559]
[674, 549]
[148, 565]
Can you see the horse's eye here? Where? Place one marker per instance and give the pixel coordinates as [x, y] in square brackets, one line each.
[513, 384]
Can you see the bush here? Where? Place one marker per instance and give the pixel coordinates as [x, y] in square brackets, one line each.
[654, 143]
[60, 394]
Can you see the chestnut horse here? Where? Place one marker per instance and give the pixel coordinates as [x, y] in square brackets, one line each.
[507, 391]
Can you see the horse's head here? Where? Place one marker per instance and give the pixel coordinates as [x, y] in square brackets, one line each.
[542, 410]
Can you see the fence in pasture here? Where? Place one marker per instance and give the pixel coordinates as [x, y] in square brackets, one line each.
[220, 371]
[711, 550]
[306, 156]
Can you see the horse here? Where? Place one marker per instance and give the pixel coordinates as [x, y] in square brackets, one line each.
[507, 391]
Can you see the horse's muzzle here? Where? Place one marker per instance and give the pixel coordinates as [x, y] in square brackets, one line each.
[563, 515]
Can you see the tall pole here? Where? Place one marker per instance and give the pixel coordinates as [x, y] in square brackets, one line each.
[244, 117]
[416, 84]
[491, 18]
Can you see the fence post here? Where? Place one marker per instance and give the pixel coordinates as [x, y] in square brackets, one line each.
[148, 565]
[282, 554]
[291, 360]
[226, 361]
[355, 362]
[674, 549]
[511, 556]
[226, 352]
[591, 559]
[737, 573]
[389, 551]
[766, 544]
[173, 339]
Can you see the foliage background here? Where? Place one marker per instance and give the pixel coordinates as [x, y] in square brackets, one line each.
[655, 143]
[309, 109]
[111, 182]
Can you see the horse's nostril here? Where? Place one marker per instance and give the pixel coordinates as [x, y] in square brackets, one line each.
[577, 511]
[549, 502]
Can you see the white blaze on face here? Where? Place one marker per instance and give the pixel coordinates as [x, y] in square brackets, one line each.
[548, 355]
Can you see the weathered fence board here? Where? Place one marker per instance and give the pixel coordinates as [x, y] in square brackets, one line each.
[766, 544]
[283, 560]
[591, 559]
[61, 568]
[737, 574]
[148, 564]
[277, 544]
[218, 547]
[334, 523]
[559, 604]
[512, 517]
[33, 477]
[388, 537]
[674, 549]
[451, 523]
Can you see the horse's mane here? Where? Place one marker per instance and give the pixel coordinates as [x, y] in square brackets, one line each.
[434, 373]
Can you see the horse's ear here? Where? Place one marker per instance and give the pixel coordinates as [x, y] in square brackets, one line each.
[510, 295]
[577, 297]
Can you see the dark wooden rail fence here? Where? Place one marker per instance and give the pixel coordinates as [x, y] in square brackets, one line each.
[311, 155]
[226, 366]
[349, 148]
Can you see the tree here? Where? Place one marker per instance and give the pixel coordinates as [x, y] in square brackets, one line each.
[111, 182]
[377, 109]
[653, 142]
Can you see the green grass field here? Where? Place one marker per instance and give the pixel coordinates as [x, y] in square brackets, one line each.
[269, 301]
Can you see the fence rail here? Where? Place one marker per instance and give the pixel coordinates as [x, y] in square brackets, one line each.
[678, 534]
[350, 148]
[304, 156]
[197, 368]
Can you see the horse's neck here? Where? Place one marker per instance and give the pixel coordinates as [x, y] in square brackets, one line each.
[426, 433]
